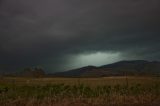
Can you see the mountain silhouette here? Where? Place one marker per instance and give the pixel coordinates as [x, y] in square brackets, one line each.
[133, 67]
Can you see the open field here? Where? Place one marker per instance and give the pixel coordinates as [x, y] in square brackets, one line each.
[107, 91]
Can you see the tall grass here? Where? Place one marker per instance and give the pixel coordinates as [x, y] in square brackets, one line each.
[81, 93]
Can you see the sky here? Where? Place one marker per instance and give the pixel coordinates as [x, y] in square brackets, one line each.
[59, 35]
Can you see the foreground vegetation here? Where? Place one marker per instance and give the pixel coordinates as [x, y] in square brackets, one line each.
[118, 91]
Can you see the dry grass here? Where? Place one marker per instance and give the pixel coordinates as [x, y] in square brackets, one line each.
[108, 91]
[111, 101]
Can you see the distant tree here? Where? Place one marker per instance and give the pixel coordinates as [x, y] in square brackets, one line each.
[34, 72]
[38, 72]
[27, 72]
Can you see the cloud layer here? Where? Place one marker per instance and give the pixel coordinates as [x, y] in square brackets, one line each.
[47, 33]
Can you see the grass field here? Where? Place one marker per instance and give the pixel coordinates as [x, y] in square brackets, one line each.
[107, 91]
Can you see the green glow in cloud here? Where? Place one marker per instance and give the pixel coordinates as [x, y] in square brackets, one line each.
[96, 59]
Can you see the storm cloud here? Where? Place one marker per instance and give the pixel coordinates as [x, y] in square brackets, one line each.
[55, 33]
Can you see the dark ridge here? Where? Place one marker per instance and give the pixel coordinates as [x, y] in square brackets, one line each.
[125, 62]
[127, 67]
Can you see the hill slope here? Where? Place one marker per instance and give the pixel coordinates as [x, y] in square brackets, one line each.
[135, 67]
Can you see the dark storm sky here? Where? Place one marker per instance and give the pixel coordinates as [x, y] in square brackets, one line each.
[66, 34]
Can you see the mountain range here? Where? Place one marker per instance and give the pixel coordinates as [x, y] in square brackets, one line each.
[121, 68]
